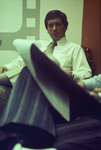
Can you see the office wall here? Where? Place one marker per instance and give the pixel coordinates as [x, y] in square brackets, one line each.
[24, 19]
[18, 19]
[91, 31]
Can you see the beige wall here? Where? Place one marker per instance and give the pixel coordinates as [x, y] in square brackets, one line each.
[25, 19]
[18, 19]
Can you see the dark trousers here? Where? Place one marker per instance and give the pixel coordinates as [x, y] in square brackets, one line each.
[29, 115]
[4, 95]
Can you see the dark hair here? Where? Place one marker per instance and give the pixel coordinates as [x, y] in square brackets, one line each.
[56, 13]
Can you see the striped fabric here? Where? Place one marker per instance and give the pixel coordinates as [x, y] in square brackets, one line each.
[29, 113]
[81, 134]
[4, 95]
[28, 105]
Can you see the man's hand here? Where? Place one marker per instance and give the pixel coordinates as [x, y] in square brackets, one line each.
[96, 92]
[69, 73]
[2, 69]
[82, 84]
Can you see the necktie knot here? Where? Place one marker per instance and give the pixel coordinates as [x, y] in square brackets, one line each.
[49, 52]
[50, 48]
[54, 43]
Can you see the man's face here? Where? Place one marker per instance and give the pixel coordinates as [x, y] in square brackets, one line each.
[56, 28]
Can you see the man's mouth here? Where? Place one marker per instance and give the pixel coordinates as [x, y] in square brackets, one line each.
[55, 33]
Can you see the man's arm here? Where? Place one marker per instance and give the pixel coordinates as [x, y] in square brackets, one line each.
[93, 85]
[82, 84]
[16, 63]
[93, 82]
[80, 66]
[96, 93]
[69, 73]
[10, 71]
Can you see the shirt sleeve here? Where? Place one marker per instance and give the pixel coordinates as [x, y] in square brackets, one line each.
[13, 74]
[17, 63]
[94, 82]
[81, 68]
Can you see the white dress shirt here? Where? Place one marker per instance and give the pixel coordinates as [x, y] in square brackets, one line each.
[16, 63]
[71, 57]
[14, 68]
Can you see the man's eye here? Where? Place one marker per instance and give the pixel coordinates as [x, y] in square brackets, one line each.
[58, 24]
[50, 25]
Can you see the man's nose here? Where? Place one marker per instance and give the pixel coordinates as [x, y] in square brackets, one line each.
[54, 27]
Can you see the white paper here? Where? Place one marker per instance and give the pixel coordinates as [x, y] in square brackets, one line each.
[54, 92]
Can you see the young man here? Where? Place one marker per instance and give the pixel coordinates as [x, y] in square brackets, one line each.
[70, 55]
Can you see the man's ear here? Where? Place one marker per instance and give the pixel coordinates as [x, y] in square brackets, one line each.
[47, 31]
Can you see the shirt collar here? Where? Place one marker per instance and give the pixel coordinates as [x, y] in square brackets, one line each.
[60, 42]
